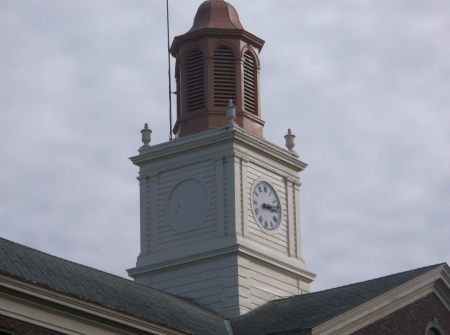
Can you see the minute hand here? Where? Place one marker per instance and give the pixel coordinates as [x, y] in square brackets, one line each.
[272, 208]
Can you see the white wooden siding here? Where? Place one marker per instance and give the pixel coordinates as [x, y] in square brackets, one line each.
[169, 238]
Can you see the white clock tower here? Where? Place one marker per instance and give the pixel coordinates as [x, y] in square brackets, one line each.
[220, 215]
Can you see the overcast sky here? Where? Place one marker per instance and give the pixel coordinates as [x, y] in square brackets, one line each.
[365, 86]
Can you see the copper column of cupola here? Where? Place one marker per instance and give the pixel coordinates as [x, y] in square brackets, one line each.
[216, 60]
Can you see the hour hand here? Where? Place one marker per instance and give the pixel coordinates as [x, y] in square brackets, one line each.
[272, 208]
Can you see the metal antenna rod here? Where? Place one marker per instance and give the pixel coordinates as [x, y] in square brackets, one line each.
[170, 76]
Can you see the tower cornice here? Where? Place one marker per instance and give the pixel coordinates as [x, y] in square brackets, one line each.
[214, 138]
[227, 250]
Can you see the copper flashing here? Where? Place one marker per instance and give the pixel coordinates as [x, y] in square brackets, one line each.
[216, 14]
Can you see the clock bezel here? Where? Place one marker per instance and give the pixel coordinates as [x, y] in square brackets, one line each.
[267, 231]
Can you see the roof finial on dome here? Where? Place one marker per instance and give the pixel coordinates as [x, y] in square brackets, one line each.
[216, 14]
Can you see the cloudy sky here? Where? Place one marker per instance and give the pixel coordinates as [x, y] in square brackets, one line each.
[365, 86]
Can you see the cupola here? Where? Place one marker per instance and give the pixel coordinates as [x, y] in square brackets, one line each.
[216, 60]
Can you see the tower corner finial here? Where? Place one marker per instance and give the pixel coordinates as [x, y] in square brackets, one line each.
[290, 144]
[231, 112]
[146, 137]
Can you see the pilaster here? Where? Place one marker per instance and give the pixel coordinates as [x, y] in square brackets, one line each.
[297, 185]
[290, 211]
[244, 194]
[154, 223]
[220, 198]
[234, 201]
[144, 220]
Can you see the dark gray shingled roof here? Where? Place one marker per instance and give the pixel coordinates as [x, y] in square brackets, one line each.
[107, 289]
[307, 311]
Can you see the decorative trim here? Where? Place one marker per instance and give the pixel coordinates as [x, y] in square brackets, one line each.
[434, 324]
[442, 290]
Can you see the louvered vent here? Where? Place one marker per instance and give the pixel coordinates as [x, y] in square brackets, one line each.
[249, 83]
[195, 81]
[224, 77]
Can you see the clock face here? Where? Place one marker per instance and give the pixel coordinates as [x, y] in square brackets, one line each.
[266, 206]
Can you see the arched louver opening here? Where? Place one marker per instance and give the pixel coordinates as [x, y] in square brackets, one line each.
[249, 83]
[224, 77]
[195, 81]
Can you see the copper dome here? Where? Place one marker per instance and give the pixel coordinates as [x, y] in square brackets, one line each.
[216, 14]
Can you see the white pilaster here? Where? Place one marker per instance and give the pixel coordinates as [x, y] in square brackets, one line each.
[234, 194]
[143, 214]
[298, 235]
[220, 199]
[154, 223]
[290, 211]
[244, 197]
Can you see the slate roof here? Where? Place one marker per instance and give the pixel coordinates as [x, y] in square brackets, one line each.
[303, 312]
[283, 316]
[106, 289]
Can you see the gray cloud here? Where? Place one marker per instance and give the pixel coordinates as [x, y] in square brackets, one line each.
[364, 86]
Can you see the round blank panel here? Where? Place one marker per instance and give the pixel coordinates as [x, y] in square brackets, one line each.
[187, 205]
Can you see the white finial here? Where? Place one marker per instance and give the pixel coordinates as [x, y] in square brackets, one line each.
[231, 111]
[146, 136]
[290, 140]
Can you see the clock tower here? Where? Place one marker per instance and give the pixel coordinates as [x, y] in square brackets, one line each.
[219, 206]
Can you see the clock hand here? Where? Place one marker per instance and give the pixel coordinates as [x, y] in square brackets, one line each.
[272, 208]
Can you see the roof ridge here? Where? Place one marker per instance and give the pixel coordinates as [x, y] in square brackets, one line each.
[364, 281]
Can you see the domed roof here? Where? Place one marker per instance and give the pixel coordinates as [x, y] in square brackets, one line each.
[216, 14]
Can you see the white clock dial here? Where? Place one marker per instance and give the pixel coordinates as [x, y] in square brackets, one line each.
[266, 206]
